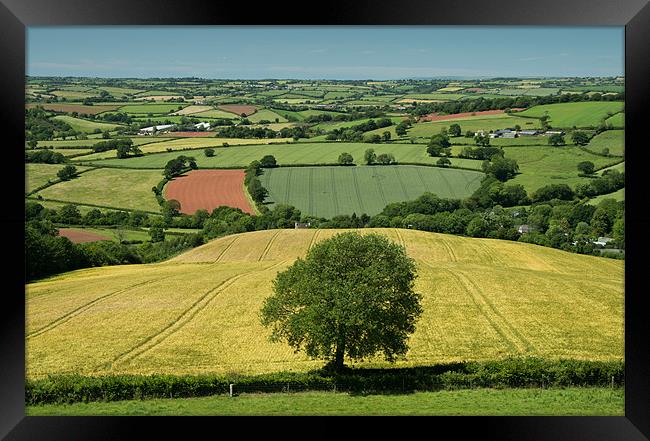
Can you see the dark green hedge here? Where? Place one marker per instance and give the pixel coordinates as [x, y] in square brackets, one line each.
[528, 372]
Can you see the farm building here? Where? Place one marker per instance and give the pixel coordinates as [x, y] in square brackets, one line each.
[602, 241]
[529, 132]
[553, 132]
[205, 125]
[150, 130]
[525, 229]
[505, 133]
[299, 225]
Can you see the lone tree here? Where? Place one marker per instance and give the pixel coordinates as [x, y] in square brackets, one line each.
[556, 139]
[370, 156]
[351, 296]
[66, 173]
[345, 159]
[268, 161]
[586, 167]
[580, 138]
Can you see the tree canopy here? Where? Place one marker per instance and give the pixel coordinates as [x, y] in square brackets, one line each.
[352, 295]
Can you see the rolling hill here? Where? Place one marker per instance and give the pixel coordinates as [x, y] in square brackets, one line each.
[198, 312]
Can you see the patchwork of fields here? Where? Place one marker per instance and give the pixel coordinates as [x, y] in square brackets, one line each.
[285, 154]
[331, 191]
[483, 299]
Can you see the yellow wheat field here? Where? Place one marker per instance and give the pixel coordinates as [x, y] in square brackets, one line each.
[198, 312]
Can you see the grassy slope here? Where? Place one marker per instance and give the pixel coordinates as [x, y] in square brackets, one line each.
[291, 154]
[582, 114]
[197, 313]
[38, 174]
[116, 188]
[540, 166]
[524, 402]
[614, 140]
[82, 125]
[330, 191]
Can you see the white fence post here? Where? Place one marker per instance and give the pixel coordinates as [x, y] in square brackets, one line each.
[231, 386]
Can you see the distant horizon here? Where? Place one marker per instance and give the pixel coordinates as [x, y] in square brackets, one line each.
[321, 79]
[378, 53]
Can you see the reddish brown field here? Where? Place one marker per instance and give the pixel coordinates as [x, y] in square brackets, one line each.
[79, 108]
[436, 117]
[238, 109]
[191, 134]
[77, 236]
[209, 189]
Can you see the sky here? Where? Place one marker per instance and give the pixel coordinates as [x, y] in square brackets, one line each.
[324, 52]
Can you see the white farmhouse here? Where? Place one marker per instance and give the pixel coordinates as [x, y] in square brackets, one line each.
[150, 130]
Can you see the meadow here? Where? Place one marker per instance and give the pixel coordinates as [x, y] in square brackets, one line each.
[614, 140]
[618, 195]
[495, 402]
[287, 154]
[483, 299]
[473, 124]
[151, 108]
[188, 143]
[331, 191]
[85, 126]
[582, 114]
[37, 175]
[541, 166]
[110, 187]
[617, 120]
[266, 114]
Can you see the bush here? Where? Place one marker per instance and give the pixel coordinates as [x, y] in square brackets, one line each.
[515, 372]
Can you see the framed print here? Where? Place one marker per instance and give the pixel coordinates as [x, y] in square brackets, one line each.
[367, 211]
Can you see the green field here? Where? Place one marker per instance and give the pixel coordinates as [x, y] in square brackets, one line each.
[39, 174]
[483, 299]
[618, 195]
[266, 114]
[614, 140]
[473, 124]
[330, 191]
[178, 144]
[86, 126]
[617, 121]
[329, 126]
[215, 113]
[139, 140]
[582, 114]
[503, 402]
[291, 154]
[540, 166]
[152, 108]
[116, 188]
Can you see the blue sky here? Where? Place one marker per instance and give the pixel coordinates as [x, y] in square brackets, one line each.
[325, 52]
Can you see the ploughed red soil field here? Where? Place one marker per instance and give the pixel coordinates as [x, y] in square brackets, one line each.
[77, 236]
[209, 189]
[192, 134]
[238, 109]
[436, 117]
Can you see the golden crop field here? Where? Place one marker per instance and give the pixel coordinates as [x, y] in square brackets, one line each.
[199, 312]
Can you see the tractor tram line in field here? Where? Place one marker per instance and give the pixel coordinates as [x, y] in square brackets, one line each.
[185, 317]
[83, 308]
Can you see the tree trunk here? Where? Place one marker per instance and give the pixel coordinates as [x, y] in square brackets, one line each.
[340, 350]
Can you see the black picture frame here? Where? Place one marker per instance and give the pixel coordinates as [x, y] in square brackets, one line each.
[16, 15]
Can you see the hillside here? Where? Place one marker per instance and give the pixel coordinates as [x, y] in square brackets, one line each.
[198, 312]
